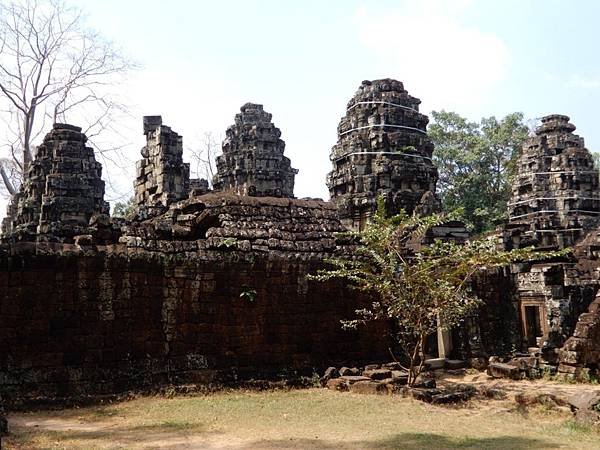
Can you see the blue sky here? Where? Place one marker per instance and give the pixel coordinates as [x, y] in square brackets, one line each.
[201, 60]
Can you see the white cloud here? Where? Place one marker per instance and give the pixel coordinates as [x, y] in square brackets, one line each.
[444, 62]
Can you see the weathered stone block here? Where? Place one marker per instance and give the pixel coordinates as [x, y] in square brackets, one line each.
[502, 370]
[377, 374]
[368, 387]
[337, 384]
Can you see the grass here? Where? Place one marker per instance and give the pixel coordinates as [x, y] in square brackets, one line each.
[312, 418]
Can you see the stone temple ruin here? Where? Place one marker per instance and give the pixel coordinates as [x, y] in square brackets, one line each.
[61, 192]
[204, 285]
[252, 162]
[382, 150]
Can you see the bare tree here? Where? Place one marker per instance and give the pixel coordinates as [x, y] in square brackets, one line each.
[51, 67]
[204, 157]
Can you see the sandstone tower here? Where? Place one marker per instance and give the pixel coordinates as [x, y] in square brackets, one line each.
[61, 191]
[555, 194]
[382, 150]
[252, 162]
[162, 176]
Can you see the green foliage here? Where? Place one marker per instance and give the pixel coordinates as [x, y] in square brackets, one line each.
[124, 209]
[476, 162]
[416, 286]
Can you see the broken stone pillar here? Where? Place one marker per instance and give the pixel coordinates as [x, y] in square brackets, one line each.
[382, 150]
[252, 162]
[61, 191]
[555, 193]
[162, 176]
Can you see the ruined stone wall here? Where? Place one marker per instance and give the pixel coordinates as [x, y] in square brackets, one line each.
[582, 350]
[78, 322]
[215, 286]
[494, 329]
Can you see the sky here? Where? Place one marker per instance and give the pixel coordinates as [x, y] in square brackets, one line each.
[199, 61]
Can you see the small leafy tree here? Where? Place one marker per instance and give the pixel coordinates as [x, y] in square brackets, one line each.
[418, 287]
[125, 209]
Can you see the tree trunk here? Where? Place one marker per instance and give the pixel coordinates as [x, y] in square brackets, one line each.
[9, 186]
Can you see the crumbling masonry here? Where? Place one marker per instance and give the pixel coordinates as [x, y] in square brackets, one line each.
[162, 176]
[382, 150]
[252, 162]
[61, 192]
[211, 286]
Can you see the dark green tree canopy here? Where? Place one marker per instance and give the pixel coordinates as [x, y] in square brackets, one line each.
[476, 163]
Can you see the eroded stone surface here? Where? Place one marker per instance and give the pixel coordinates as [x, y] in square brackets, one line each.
[162, 176]
[382, 150]
[61, 191]
[555, 195]
[252, 162]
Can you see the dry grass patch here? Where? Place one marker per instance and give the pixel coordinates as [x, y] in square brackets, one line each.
[312, 418]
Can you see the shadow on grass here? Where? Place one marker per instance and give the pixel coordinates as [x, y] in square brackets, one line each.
[165, 434]
[170, 435]
[412, 441]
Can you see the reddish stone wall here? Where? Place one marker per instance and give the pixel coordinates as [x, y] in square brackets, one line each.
[75, 322]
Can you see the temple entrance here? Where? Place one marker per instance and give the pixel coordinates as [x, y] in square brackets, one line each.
[533, 321]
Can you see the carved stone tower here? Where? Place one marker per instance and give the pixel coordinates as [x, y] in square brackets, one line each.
[555, 194]
[252, 162]
[382, 150]
[61, 191]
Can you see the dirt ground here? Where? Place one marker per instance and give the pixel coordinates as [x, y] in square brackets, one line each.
[312, 419]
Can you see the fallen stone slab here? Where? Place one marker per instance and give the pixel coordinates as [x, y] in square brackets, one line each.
[421, 394]
[425, 383]
[454, 364]
[345, 371]
[372, 367]
[546, 399]
[368, 387]
[502, 370]
[525, 363]
[584, 406]
[377, 374]
[401, 381]
[351, 379]
[399, 373]
[392, 366]
[337, 384]
[329, 374]
[451, 397]
[439, 396]
[435, 363]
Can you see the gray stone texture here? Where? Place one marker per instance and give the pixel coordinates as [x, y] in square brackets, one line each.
[61, 191]
[162, 177]
[382, 150]
[555, 195]
[252, 162]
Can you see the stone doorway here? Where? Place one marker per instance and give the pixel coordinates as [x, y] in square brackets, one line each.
[533, 321]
